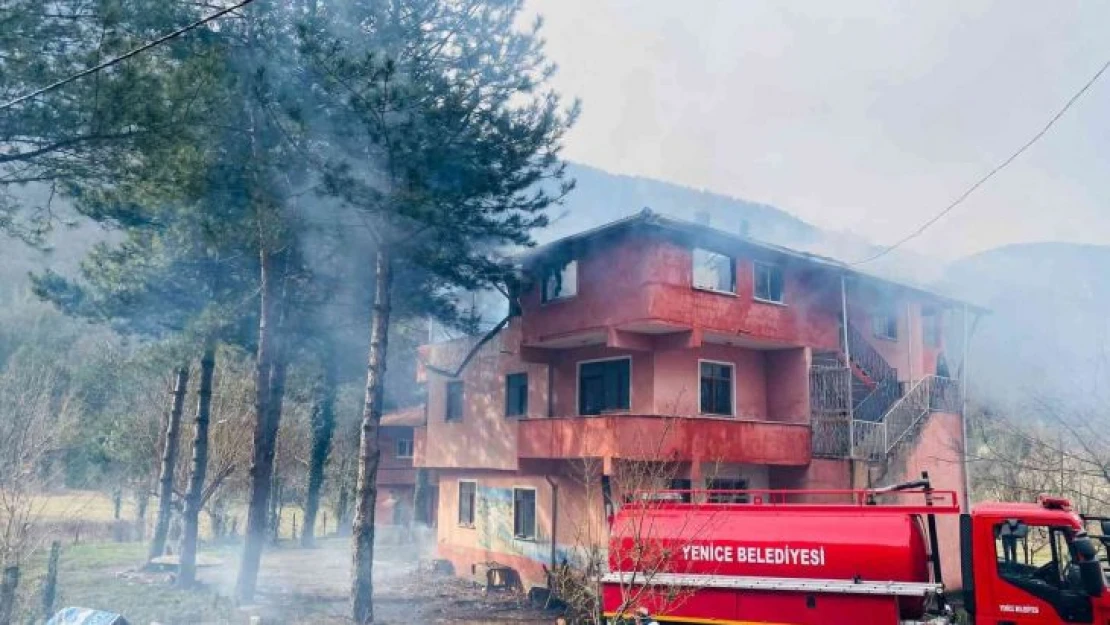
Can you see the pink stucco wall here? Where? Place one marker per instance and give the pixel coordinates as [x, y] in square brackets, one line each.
[484, 438]
[937, 449]
[909, 354]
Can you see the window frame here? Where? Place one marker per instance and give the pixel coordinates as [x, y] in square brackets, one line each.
[473, 503]
[732, 389]
[535, 513]
[524, 408]
[447, 417]
[756, 265]
[743, 481]
[708, 289]
[885, 314]
[548, 271]
[578, 386]
[397, 448]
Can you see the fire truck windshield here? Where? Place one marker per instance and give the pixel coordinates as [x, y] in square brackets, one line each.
[1041, 560]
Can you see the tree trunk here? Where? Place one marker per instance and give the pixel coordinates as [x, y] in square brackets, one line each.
[323, 427]
[169, 461]
[187, 567]
[142, 500]
[265, 432]
[50, 584]
[369, 453]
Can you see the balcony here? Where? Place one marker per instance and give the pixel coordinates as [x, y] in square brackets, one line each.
[654, 437]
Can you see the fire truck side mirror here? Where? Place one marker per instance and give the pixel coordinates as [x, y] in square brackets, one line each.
[1104, 525]
[1090, 573]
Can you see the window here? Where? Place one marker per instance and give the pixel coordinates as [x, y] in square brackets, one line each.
[714, 272]
[560, 282]
[724, 484]
[516, 394]
[404, 448]
[768, 283]
[884, 324]
[524, 513]
[685, 485]
[454, 407]
[604, 386]
[468, 490]
[1038, 560]
[716, 388]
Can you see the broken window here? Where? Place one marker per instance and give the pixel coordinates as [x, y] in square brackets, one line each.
[468, 490]
[524, 513]
[713, 271]
[768, 283]
[716, 388]
[404, 448]
[604, 386]
[516, 394]
[561, 281]
[454, 407]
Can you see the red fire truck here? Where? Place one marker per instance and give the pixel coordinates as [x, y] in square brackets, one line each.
[868, 557]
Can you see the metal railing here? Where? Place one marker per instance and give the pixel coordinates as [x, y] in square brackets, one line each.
[835, 434]
[868, 359]
[878, 401]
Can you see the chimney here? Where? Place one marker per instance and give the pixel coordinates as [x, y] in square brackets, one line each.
[702, 217]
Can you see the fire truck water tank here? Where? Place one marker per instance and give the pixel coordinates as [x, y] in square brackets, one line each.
[755, 541]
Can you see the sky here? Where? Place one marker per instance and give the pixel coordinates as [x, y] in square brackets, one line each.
[865, 117]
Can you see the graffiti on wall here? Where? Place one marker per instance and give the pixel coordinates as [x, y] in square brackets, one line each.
[493, 521]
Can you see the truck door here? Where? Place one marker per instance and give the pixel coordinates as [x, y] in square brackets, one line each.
[1035, 581]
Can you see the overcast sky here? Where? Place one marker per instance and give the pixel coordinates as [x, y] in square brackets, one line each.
[860, 116]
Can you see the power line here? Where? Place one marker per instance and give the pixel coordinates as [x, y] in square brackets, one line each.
[981, 181]
[125, 56]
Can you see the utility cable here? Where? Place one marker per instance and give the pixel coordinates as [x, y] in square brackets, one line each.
[981, 181]
[123, 57]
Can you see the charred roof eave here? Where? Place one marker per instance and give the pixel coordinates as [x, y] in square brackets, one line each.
[647, 221]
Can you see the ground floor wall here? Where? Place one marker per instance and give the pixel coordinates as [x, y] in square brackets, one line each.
[569, 521]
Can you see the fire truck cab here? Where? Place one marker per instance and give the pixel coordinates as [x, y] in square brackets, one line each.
[851, 557]
[1031, 563]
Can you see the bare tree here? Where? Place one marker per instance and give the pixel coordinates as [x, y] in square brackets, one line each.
[643, 484]
[35, 408]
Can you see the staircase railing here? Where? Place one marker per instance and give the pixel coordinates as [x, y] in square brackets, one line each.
[879, 401]
[875, 440]
[867, 358]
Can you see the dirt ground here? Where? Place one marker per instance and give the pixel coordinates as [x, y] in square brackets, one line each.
[298, 582]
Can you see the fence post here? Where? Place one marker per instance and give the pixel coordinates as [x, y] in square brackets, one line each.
[50, 584]
[7, 594]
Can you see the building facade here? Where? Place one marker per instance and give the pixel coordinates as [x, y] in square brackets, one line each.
[653, 352]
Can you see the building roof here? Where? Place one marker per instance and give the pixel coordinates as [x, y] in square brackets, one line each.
[412, 416]
[648, 220]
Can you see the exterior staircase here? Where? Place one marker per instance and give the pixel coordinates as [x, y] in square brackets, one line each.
[883, 416]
